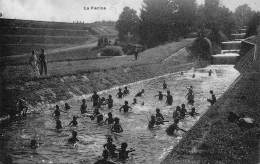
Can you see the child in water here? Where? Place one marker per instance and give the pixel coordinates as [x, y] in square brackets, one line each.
[169, 99]
[73, 139]
[34, 144]
[104, 160]
[160, 95]
[120, 93]
[83, 107]
[110, 119]
[123, 153]
[164, 85]
[134, 101]
[58, 124]
[139, 94]
[74, 121]
[213, 99]
[110, 102]
[159, 116]
[117, 128]
[126, 91]
[125, 107]
[67, 106]
[110, 147]
[57, 111]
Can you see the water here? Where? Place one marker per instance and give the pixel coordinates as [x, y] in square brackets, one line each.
[151, 145]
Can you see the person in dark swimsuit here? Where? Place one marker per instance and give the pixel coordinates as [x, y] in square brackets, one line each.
[110, 119]
[110, 102]
[123, 153]
[169, 99]
[160, 96]
[67, 106]
[58, 124]
[126, 91]
[120, 93]
[104, 160]
[110, 147]
[140, 94]
[213, 99]
[83, 107]
[73, 139]
[134, 101]
[117, 128]
[125, 107]
[57, 111]
[95, 99]
[159, 117]
[164, 85]
[74, 121]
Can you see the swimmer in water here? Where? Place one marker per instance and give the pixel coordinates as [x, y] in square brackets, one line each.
[123, 153]
[126, 91]
[174, 127]
[104, 160]
[152, 122]
[57, 111]
[73, 139]
[95, 99]
[160, 96]
[183, 111]
[110, 147]
[58, 124]
[169, 99]
[164, 84]
[140, 94]
[210, 72]
[117, 128]
[74, 121]
[110, 119]
[34, 144]
[134, 101]
[67, 106]
[120, 93]
[159, 117]
[125, 107]
[83, 107]
[110, 102]
[193, 112]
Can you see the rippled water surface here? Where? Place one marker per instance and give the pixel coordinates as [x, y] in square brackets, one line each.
[151, 145]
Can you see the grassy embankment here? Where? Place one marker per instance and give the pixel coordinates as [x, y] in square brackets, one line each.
[66, 79]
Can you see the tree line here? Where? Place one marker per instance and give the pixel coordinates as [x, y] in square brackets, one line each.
[162, 21]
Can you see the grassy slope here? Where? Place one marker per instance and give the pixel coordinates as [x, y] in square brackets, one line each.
[154, 55]
[214, 140]
[77, 78]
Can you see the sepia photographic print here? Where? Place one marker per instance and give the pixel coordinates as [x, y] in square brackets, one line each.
[130, 82]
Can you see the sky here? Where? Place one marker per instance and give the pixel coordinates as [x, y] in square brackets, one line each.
[73, 10]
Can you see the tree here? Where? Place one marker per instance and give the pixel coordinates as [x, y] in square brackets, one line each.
[243, 14]
[128, 23]
[165, 20]
[253, 23]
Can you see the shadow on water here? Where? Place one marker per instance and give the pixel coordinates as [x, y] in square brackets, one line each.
[151, 145]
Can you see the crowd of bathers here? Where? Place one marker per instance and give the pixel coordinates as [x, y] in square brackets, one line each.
[157, 119]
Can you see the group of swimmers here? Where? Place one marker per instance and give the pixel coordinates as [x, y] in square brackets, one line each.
[114, 122]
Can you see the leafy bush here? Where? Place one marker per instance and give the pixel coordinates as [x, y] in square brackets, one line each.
[112, 51]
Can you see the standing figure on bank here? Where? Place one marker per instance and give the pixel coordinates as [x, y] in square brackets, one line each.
[43, 62]
[213, 99]
[34, 64]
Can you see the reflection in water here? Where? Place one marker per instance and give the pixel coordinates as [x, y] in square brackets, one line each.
[151, 145]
